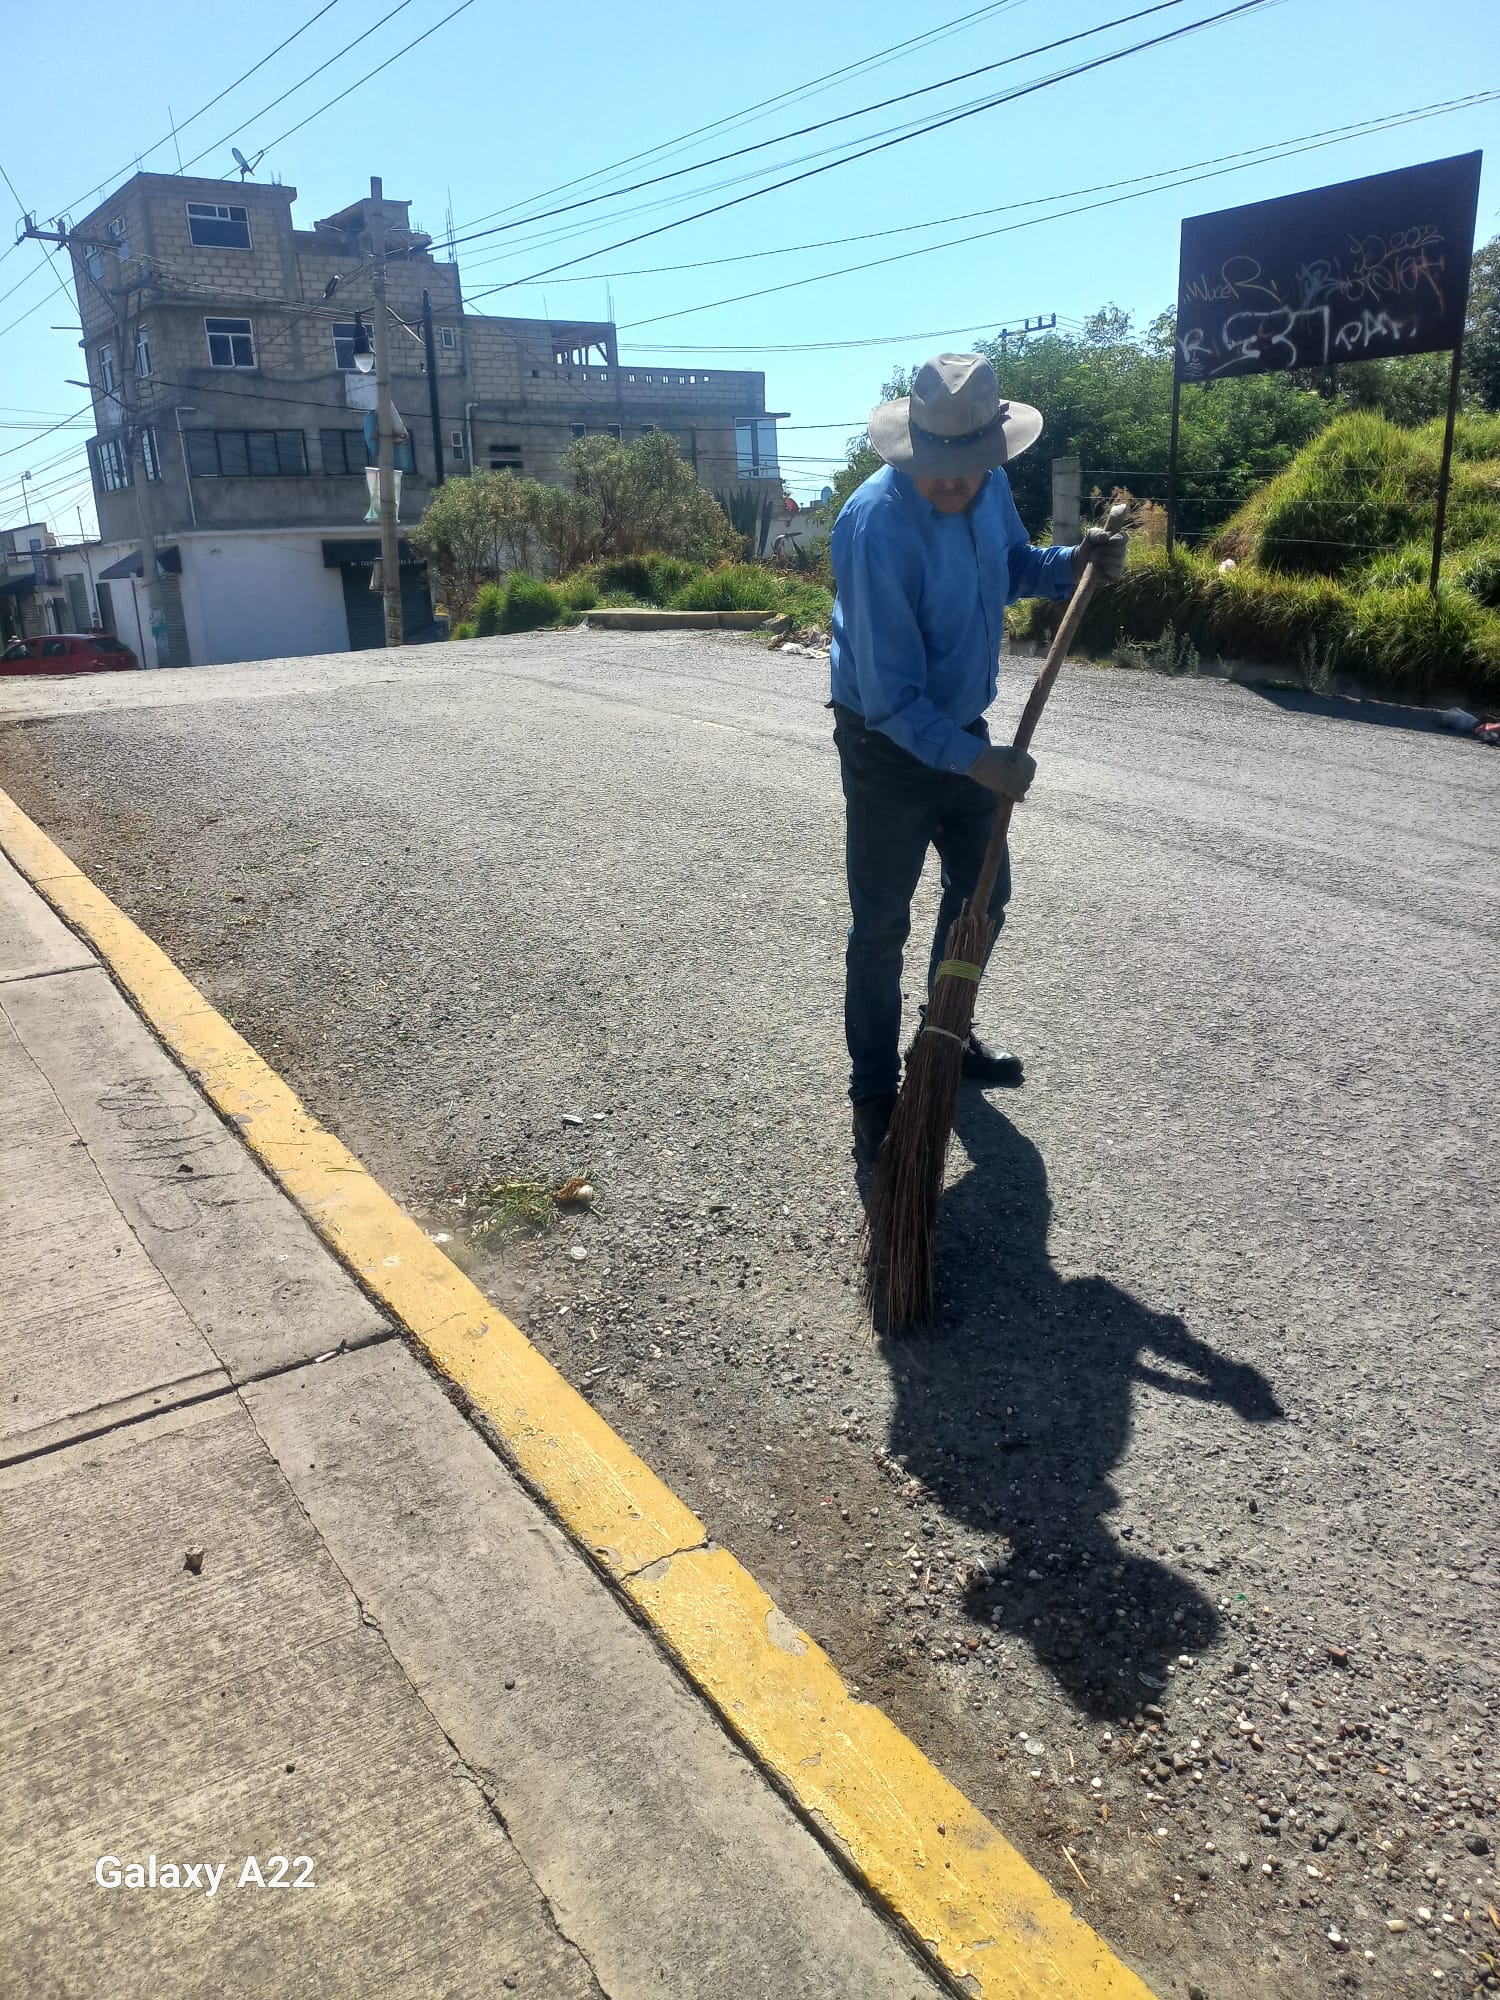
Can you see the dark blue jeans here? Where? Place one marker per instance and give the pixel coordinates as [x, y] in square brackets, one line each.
[897, 807]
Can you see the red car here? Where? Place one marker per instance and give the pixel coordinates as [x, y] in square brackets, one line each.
[67, 653]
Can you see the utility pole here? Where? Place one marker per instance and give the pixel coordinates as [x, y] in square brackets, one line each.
[130, 427]
[390, 552]
[430, 346]
[1006, 334]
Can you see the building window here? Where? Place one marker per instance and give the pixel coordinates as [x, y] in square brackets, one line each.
[343, 346]
[246, 454]
[231, 343]
[142, 351]
[150, 457]
[214, 225]
[343, 452]
[119, 238]
[579, 430]
[93, 262]
[456, 445]
[114, 471]
[107, 370]
[755, 448]
[505, 458]
[447, 339]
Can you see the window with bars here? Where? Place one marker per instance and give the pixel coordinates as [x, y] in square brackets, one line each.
[113, 467]
[505, 458]
[456, 446]
[231, 343]
[344, 452]
[246, 454]
[218, 225]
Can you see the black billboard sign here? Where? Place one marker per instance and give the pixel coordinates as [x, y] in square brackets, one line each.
[1348, 273]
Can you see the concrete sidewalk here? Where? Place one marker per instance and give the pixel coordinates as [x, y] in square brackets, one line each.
[267, 1593]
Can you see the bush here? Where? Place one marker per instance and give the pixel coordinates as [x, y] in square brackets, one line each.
[465, 630]
[489, 609]
[749, 587]
[646, 579]
[528, 603]
[1479, 574]
[1401, 641]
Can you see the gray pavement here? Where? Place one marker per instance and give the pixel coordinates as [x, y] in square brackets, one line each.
[1175, 1548]
[276, 1613]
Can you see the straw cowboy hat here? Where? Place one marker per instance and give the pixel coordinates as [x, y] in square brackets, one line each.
[953, 424]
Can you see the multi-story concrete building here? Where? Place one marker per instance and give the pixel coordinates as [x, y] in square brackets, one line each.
[219, 343]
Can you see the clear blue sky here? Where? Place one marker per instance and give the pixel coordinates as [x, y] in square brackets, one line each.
[504, 103]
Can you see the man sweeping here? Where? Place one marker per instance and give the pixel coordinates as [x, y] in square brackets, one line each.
[927, 553]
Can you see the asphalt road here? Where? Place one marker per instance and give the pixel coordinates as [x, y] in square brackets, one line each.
[1176, 1544]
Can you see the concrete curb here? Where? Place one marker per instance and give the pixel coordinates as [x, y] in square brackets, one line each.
[627, 618]
[990, 1922]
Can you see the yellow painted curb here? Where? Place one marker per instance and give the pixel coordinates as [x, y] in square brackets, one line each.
[930, 1856]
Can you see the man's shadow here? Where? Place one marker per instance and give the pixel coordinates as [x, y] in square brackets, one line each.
[1014, 1409]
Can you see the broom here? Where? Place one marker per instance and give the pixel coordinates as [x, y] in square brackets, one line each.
[901, 1222]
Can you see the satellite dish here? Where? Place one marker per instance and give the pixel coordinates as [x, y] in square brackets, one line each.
[246, 167]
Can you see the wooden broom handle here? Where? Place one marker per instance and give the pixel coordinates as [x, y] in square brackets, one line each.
[1031, 715]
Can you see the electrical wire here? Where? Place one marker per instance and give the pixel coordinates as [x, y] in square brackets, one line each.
[935, 125]
[359, 82]
[799, 91]
[9, 449]
[178, 129]
[821, 125]
[1290, 151]
[363, 36]
[1362, 128]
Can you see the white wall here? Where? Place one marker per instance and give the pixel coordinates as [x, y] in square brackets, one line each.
[260, 597]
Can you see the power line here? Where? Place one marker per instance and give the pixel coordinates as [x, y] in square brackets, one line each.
[821, 125]
[182, 126]
[85, 411]
[362, 80]
[864, 152]
[798, 91]
[1362, 128]
[1184, 179]
[363, 36]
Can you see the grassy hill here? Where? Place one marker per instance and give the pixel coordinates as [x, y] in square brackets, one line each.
[1331, 563]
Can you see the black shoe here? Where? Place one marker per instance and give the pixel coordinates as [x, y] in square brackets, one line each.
[983, 1064]
[872, 1117]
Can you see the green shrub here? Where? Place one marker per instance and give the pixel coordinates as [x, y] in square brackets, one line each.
[489, 609]
[578, 591]
[528, 603]
[465, 630]
[731, 587]
[647, 579]
[749, 587]
[1400, 641]
[1478, 572]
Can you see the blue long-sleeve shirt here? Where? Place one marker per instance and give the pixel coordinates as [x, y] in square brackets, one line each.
[920, 609]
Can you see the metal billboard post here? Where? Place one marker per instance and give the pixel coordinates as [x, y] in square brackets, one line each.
[1172, 468]
[1441, 519]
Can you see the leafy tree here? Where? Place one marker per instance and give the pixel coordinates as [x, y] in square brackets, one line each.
[1481, 364]
[474, 529]
[640, 497]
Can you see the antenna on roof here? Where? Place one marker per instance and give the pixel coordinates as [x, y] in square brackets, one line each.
[246, 167]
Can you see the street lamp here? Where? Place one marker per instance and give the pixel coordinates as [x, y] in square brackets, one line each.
[364, 347]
